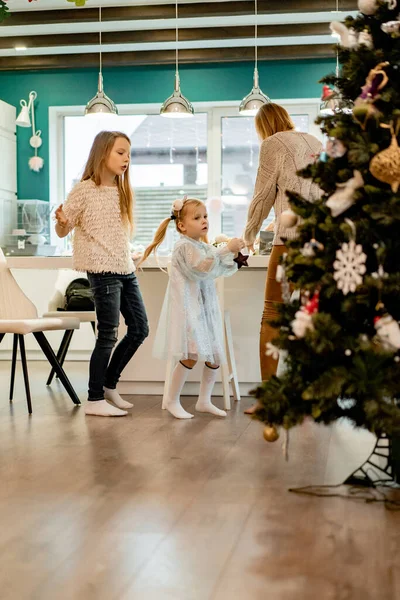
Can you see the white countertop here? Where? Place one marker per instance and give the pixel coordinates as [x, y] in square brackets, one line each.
[65, 262]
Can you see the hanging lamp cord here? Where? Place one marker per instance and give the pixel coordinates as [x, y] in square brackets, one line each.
[101, 66]
[255, 37]
[176, 36]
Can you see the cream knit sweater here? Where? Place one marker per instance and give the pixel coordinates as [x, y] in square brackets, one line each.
[101, 240]
[281, 155]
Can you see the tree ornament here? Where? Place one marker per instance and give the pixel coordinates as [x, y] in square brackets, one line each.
[365, 39]
[311, 248]
[343, 198]
[347, 35]
[335, 148]
[369, 7]
[349, 266]
[303, 318]
[392, 28]
[288, 219]
[387, 332]
[241, 260]
[349, 38]
[364, 105]
[270, 433]
[283, 280]
[272, 351]
[385, 166]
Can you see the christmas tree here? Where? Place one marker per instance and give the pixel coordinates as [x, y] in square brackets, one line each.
[340, 337]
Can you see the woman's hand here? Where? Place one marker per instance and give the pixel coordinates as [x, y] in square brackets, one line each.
[60, 217]
[249, 246]
[235, 245]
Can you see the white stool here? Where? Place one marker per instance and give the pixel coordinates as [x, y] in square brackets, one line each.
[228, 370]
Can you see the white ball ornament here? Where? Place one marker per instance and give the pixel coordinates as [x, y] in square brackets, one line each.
[36, 140]
[288, 219]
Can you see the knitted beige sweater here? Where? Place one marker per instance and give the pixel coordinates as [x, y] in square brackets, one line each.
[101, 240]
[281, 155]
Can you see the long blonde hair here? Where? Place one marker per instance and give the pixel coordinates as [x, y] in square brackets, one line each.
[100, 151]
[177, 217]
[272, 118]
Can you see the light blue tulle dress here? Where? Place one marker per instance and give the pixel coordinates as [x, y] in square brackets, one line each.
[190, 324]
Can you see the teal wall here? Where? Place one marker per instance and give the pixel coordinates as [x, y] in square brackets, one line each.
[138, 85]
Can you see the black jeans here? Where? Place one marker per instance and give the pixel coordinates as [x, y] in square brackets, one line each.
[112, 294]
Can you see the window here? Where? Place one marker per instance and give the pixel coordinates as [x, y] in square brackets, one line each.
[240, 153]
[168, 160]
[213, 156]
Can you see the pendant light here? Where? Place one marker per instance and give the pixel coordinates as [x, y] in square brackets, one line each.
[177, 106]
[100, 104]
[252, 102]
[335, 103]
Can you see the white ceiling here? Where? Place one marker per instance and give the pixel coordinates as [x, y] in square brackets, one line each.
[15, 50]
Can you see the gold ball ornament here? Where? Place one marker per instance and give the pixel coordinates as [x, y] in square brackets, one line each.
[270, 434]
[385, 166]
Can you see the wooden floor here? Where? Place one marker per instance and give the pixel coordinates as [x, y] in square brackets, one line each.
[151, 508]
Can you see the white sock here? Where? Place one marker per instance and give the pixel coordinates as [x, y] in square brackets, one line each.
[204, 403]
[116, 399]
[178, 378]
[101, 408]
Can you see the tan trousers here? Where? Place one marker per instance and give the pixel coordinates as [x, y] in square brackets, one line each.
[272, 296]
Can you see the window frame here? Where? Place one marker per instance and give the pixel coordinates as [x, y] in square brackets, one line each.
[215, 112]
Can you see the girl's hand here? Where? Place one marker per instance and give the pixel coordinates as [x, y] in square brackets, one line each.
[235, 245]
[60, 217]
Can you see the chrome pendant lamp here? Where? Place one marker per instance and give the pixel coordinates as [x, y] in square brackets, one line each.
[335, 103]
[177, 106]
[100, 104]
[252, 102]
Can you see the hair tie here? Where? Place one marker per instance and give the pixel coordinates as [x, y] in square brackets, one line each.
[172, 217]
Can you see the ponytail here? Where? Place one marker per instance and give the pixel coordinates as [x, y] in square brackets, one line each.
[157, 241]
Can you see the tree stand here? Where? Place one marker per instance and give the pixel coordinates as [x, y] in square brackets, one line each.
[382, 467]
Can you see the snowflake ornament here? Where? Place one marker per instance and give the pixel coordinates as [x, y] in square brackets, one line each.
[272, 351]
[349, 266]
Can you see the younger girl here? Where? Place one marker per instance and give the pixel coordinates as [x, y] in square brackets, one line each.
[190, 327]
[100, 210]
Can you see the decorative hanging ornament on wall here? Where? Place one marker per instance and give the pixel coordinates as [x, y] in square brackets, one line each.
[26, 118]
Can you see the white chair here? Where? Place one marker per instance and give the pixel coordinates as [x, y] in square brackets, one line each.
[58, 302]
[18, 315]
[228, 370]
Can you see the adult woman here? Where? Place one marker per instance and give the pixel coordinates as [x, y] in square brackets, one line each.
[283, 152]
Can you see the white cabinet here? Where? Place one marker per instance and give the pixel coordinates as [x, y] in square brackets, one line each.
[8, 170]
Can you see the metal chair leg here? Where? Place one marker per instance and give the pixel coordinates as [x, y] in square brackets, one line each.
[51, 357]
[25, 371]
[13, 365]
[62, 352]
